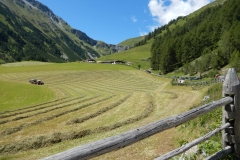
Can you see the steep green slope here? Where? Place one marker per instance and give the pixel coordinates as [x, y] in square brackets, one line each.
[131, 42]
[23, 39]
[212, 35]
[134, 57]
[31, 31]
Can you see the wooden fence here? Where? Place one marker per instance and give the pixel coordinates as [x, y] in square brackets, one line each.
[197, 84]
[230, 128]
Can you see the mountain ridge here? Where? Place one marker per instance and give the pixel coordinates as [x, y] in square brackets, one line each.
[69, 44]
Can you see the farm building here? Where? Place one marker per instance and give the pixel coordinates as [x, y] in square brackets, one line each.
[107, 62]
[90, 61]
[113, 62]
[119, 62]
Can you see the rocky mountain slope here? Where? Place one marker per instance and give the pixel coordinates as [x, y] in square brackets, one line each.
[29, 30]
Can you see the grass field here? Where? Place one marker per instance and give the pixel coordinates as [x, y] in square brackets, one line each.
[135, 56]
[82, 103]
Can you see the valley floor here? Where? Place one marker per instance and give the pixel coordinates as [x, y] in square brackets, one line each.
[91, 105]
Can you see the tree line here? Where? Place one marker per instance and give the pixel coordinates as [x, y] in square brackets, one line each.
[206, 41]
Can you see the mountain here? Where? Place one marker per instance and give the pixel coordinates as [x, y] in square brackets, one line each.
[29, 30]
[203, 41]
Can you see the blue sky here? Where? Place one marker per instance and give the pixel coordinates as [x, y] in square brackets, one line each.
[114, 21]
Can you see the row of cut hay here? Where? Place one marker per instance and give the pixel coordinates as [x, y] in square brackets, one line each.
[38, 107]
[6, 113]
[41, 141]
[43, 105]
[97, 84]
[18, 128]
[52, 78]
[145, 113]
[132, 84]
[173, 94]
[117, 84]
[91, 77]
[109, 76]
[135, 82]
[57, 137]
[80, 76]
[50, 107]
[129, 109]
[46, 112]
[81, 89]
[99, 112]
[74, 91]
[60, 93]
[59, 123]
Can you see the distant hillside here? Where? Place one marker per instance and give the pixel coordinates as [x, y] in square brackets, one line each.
[131, 42]
[29, 30]
[190, 42]
[137, 56]
[212, 34]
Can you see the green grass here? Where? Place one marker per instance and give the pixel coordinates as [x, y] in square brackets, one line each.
[204, 124]
[16, 95]
[131, 41]
[134, 56]
[93, 92]
[37, 66]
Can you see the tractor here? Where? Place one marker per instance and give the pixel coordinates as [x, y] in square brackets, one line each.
[38, 82]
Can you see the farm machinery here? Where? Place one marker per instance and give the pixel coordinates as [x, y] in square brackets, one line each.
[35, 81]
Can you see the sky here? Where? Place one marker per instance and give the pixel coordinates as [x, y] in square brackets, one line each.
[114, 21]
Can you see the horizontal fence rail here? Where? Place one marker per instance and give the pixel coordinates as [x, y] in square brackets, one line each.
[191, 144]
[119, 141]
[221, 154]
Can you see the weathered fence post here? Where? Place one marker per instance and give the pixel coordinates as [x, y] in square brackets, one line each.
[231, 112]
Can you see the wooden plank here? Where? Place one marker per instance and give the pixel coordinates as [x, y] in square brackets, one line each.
[191, 144]
[231, 112]
[221, 154]
[231, 82]
[119, 141]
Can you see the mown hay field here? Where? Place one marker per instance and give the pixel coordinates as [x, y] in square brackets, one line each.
[81, 103]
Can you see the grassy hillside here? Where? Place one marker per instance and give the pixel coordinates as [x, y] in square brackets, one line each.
[130, 42]
[88, 102]
[139, 54]
[134, 56]
[206, 39]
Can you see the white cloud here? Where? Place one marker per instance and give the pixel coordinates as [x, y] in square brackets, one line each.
[134, 19]
[152, 28]
[163, 14]
[143, 33]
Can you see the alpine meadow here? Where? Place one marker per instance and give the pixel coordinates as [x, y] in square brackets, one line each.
[62, 89]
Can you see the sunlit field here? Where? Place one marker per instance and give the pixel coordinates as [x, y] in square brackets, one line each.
[81, 103]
